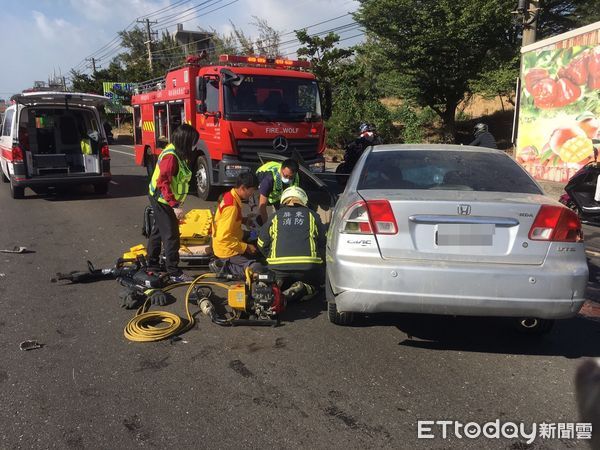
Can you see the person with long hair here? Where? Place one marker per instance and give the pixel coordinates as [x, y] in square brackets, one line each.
[168, 189]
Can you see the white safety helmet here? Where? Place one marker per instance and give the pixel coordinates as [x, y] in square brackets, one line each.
[294, 192]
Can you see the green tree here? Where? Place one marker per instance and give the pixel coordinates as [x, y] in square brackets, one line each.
[326, 59]
[437, 46]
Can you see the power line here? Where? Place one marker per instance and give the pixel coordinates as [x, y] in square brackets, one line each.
[186, 12]
[179, 19]
[166, 8]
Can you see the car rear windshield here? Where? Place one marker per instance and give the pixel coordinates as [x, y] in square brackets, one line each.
[445, 170]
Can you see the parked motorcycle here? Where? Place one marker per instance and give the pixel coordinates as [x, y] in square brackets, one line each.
[354, 150]
[583, 195]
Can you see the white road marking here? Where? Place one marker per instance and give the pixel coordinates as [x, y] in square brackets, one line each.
[113, 182]
[122, 153]
[592, 253]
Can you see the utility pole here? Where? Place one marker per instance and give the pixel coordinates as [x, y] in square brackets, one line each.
[528, 11]
[149, 39]
[93, 61]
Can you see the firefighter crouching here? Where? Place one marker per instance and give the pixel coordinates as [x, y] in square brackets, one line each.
[274, 178]
[228, 236]
[293, 241]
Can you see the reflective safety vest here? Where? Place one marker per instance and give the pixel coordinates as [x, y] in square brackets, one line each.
[275, 169]
[180, 183]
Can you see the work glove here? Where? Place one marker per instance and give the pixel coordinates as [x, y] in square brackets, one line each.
[158, 298]
[130, 300]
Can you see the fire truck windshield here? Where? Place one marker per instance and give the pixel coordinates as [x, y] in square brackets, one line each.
[267, 98]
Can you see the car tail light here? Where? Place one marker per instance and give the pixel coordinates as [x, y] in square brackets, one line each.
[105, 152]
[364, 217]
[17, 154]
[382, 217]
[557, 224]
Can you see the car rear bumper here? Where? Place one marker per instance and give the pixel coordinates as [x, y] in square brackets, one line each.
[62, 180]
[372, 285]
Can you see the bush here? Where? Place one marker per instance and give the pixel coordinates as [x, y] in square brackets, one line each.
[413, 122]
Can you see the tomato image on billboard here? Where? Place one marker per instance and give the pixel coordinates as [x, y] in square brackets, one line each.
[559, 117]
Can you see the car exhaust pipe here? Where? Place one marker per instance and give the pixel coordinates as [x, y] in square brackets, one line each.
[529, 323]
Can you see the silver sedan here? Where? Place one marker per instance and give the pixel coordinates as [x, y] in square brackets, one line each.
[455, 230]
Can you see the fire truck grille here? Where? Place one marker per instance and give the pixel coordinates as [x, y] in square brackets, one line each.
[248, 148]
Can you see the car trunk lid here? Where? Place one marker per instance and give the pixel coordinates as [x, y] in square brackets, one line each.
[462, 226]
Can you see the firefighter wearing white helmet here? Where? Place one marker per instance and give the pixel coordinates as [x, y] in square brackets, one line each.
[293, 242]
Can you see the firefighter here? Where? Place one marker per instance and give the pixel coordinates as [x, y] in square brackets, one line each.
[168, 189]
[274, 178]
[293, 241]
[227, 234]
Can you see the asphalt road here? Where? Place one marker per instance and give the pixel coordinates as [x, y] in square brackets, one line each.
[306, 384]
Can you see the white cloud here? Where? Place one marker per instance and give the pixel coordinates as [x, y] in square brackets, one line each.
[116, 10]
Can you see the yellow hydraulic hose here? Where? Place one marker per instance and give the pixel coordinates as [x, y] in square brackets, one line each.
[151, 326]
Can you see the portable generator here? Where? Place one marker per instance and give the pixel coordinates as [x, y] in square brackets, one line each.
[258, 301]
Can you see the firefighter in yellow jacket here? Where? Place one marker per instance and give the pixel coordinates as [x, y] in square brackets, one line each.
[228, 236]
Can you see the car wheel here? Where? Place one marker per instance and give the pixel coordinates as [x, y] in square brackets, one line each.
[204, 189]
[17, 191]
[533, 326]
[338, 318]
[101, 188]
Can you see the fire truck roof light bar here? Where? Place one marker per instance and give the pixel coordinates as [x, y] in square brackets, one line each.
[263, 60]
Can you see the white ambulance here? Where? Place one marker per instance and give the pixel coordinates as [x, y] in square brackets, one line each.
[53, 139]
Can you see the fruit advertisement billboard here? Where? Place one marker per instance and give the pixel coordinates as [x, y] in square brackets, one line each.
[559, 116]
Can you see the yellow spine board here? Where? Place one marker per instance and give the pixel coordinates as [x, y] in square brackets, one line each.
[195, 228]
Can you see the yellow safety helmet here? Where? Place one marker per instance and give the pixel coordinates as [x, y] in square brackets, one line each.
[294, 192]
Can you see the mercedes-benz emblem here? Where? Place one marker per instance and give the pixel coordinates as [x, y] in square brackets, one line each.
[280, 144]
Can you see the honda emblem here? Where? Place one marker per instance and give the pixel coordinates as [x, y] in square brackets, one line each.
[464, 210]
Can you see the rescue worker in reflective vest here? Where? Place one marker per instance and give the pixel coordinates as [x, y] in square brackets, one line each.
[167, 190]
[227, 234]
[274, 178]
[293, 241]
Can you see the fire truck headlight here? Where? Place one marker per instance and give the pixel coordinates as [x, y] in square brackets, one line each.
[233, 170]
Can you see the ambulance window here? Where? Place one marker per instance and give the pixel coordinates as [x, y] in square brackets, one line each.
[212, 95]
[8, 120]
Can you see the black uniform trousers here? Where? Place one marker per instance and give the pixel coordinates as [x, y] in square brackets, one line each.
[166, 232]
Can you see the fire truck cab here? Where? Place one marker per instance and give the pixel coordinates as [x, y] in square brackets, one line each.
[241, 107]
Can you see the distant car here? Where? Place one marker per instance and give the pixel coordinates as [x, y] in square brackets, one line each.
[452, 230]
[52, 139]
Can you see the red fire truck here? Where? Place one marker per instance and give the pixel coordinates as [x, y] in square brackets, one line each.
[244, 106]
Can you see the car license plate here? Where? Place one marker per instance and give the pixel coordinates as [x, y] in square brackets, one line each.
[472, 234]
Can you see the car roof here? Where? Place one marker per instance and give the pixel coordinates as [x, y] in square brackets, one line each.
[434, 148]
[58, 97]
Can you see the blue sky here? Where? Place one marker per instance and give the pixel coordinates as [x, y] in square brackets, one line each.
[43, 37]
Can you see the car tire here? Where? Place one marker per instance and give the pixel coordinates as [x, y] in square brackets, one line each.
[17, 192]
[101, 188]
[532, 326]
[204, 188]
[335, 317]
